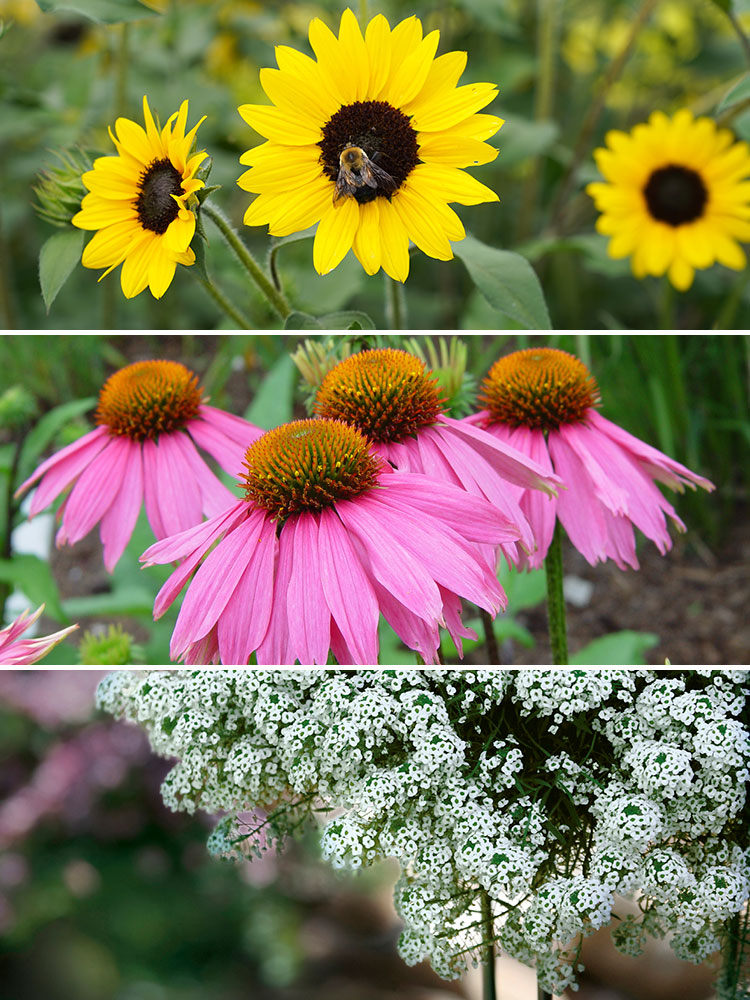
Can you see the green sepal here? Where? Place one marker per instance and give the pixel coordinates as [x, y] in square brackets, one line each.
[202, 193]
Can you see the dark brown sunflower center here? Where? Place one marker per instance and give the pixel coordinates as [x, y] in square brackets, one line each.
[381, 131]
[675, 195]
[148, 398]
[308, 465]
[155, 204]
[386, 393]
[540, 388]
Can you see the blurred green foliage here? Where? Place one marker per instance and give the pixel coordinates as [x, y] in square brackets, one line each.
[64, 78]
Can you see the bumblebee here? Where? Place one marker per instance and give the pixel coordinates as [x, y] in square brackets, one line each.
[360, 177]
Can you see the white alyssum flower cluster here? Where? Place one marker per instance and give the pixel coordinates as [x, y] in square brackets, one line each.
[533, 796]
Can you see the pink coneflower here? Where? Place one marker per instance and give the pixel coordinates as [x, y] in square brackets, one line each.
[390, 396]
[326, 538]
[150, 416]
[14, 652]
[541, 401]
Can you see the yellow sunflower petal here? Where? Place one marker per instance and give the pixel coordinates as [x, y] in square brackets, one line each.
[409, 78]
[308, 76]
[335, 235]
[135, 270]
[454, 151]
[728, 251]
[462, 102]
[695, 246]
[304, 210]
[325, 45]
[134, 141]
[477, 127]
[378, 42]
[366, 244]
[422, 223]
[161, 270]
[151, 130]
[353, 49]
[443, 75]
[294, 95]
[96, 213]
[394, 242]
[111, 183]
[180, 232]
[659, 250]
[109, 246]
[681, 274]
[282, 126]
[266, 152]
[450, 184]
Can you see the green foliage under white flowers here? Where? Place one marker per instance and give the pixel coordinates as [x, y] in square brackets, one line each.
[546, 793]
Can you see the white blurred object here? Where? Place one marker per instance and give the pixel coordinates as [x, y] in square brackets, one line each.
[577, 591]
[29, 538]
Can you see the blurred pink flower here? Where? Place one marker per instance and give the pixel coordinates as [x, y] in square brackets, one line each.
[15, 651]
[151, 417]
[390, 396]
[51, 697]
[541, 402]
[327, 537]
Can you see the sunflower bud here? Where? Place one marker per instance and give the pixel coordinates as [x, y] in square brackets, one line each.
[60, 189]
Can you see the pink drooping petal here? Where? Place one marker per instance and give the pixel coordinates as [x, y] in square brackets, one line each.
[475, 517]
[244, 622]
[199, 537]
[307, 612]
[655, 463]
[480, 479]
[404, 455]
[213, 584]
[578, 438]
[448, 559]
[540, 510]
[193, 545]
[414, 632]
[512, 464]
[646, 505]
[348, 591]
[18, 626]
[620, 544]
[205, 651]
[14, 652]
[341, 652]
[178, 494]
[433, 461]
[151, 490]
[97, 487]
[391, 563]
[64, 466]
[274, 649]
[120, 518]
[452, 613]
[225, 437]
[580, 512]
[214, 496]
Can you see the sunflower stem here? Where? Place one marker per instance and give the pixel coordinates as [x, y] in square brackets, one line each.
[592, 116]
[544, 102]
[553, 569]
[220, 298]
[489, 991]
[275, 297]
[490, 639]
[666, 305]
[395, 304]
[744, 40]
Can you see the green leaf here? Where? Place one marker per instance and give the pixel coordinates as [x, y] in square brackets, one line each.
[57, 260]
[33, 576]
[739, 92]
[507, 281]
[524, 590]
[619, 649]
[102, 11]
[347, 319]
[725, 5]
[273, 402]
[45, 431]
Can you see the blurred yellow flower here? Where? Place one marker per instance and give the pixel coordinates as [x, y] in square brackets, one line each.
[677, 196]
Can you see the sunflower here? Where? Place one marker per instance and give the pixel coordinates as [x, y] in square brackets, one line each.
[678, 196]
[368, 141]
[139, 203]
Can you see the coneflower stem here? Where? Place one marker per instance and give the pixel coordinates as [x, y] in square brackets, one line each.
[489, 991]
[273, 295]
[553, 569]
[220, 298]
[490, 639]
